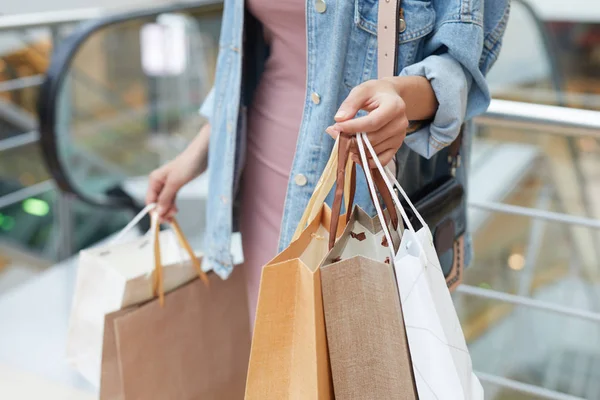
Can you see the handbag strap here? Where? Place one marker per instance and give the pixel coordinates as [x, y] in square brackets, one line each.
[387, 37]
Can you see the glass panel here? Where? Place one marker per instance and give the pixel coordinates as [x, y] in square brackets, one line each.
[131, 98]
[551, 54]
[524, 62]
[538, 348]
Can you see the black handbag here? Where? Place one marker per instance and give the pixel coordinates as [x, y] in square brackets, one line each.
[441, 203]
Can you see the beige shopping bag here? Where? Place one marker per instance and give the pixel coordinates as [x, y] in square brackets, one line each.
[289, 358]
[366, 336]
[194, 347]
[116, 276]
[192, 343]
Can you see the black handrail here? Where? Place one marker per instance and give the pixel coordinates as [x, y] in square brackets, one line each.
[50, 90]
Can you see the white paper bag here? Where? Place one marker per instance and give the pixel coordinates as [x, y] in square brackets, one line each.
[116, 276]
[441, 361]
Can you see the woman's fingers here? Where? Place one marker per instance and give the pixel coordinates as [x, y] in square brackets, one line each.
[390, 107]
[385, 124]
[156, 181]
[358, 99]
[166, 198]
[390, 136]
[169, 214]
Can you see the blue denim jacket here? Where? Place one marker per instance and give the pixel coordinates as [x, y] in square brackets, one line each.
[453, 43]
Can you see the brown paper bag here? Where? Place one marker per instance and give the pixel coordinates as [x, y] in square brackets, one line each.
[289, 358]
[194, 347]
[289, 349]
[365, 332]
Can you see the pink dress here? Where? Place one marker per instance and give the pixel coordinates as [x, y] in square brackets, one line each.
[273, 125]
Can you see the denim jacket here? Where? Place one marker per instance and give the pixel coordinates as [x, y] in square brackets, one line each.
[452, 43]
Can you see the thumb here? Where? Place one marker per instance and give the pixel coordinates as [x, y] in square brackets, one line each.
[166, 199]
[355, 101]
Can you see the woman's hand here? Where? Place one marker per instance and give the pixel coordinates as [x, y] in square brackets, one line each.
[166, 181]
[391, 103]
[385, 124]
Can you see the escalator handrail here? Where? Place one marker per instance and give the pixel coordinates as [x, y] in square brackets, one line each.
[50, 90]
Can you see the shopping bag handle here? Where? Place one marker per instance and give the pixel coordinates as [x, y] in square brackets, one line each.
[157, 275]
[322, 189]
[363, 140]
[386, 175]
[135, 220]
[373, 191]
[345, 143]
[340, 186]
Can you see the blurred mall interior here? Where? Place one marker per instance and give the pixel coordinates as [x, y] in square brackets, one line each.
[74, 157]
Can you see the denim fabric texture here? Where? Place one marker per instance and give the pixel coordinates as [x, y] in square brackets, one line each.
[453, 43]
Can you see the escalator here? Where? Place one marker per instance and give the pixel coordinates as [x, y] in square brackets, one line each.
[120, 96]
[95, 141]
[111, 109]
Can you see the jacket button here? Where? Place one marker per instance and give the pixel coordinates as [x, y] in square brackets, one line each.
[315, 98]
[401, 25]
[300, 180]
[321, 6]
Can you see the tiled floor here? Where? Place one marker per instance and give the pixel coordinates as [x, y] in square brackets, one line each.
[19, 385]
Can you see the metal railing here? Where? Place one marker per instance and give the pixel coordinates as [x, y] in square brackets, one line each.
[22, 22]
[563, 122]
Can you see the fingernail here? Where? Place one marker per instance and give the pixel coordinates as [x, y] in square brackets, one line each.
[160, 211]
[341, 114]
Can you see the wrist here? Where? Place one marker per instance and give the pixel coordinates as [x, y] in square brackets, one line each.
[418, 95]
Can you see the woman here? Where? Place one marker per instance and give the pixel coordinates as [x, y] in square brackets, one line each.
[309, 68]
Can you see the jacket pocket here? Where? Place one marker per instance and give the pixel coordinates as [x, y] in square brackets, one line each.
[418, 14]
[362, 57]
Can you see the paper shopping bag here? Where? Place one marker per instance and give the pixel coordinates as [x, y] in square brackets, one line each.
[115, 276]
[289, 358]
[440, 358]
[194, 347]
[365, 331]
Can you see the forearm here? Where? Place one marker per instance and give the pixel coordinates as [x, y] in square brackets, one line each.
[418, 95]
[198, 148]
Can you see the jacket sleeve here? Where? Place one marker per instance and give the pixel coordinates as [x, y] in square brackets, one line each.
[206, 109]
[457, 56]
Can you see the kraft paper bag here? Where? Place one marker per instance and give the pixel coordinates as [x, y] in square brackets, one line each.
[196, 346]
[289, 357]
[365, 331]
[118, 275]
